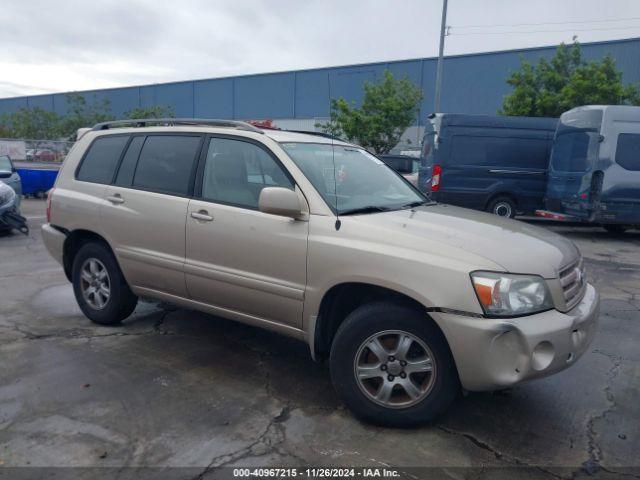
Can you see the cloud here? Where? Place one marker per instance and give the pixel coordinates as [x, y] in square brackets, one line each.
[60, 45]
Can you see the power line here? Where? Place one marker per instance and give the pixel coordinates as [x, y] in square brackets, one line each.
[548, 23]
[543, 31]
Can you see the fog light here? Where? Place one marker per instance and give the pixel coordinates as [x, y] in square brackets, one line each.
[542, 356]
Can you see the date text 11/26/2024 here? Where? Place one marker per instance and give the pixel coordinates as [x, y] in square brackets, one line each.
[365, 472]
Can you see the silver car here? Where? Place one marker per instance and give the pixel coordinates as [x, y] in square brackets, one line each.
[9, 175]
[407, 301]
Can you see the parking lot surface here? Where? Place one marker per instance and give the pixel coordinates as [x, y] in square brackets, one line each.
[177, 388]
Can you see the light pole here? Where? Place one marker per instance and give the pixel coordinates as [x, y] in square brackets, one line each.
[443, 30]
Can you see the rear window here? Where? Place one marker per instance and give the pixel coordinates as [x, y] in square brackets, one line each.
[574, 152]
[100, 161]
[628, 151]
[499, 151]
[166, 163]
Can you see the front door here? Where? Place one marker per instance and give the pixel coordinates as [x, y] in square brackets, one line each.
[239, 259]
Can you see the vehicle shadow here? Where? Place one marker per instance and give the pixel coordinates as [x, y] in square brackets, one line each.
[283, 367]
[234, 352]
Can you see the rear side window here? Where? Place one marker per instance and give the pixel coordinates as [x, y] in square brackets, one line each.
[129, 161]
[500, 151]
[100, 161]
[628, 151]
[166, 163]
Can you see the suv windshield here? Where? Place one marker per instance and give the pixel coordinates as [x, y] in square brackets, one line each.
[5, 164]
[351, 180]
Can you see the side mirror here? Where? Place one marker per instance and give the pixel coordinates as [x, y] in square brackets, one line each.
[280, 201]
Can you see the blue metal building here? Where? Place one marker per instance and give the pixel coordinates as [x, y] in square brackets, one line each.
[473, 83]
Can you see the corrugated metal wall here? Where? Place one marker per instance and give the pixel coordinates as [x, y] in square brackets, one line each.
[472, 83]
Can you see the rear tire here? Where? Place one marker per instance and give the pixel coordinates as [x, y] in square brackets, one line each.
[502, 207]
[99, 286]
[408, 386]
[615, 228]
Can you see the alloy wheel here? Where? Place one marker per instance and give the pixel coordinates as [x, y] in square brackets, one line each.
[395, 369]
[95, 283]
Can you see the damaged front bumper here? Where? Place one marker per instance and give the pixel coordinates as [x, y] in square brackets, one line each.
[492, 354]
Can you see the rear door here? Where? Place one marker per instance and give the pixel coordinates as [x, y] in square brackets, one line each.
[144, 211]
[238, 259]
[429, 156]
[573, 157]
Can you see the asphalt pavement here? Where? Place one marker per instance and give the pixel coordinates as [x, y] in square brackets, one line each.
[181, 394]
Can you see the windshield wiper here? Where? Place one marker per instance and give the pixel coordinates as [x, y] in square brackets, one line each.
[367, 209]
[417, 204]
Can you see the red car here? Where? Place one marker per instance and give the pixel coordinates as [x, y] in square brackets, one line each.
[45, 156]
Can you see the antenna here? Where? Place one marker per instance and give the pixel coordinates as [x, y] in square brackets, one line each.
[333, 159]
[335, 184]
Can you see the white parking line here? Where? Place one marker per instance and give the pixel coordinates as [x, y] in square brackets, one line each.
[35, 217]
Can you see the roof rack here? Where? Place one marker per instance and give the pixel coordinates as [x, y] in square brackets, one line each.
[146, 122]
[318, 134]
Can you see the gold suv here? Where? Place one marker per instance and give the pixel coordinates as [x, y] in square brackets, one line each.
[408, 300]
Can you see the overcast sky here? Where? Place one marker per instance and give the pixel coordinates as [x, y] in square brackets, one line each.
[53, 46]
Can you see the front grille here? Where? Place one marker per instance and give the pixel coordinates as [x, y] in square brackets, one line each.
[573, 282]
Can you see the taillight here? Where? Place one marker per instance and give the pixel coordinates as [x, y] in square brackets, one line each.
[49, 195]
[435, 178]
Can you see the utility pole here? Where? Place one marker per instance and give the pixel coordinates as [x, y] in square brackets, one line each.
[443, 32]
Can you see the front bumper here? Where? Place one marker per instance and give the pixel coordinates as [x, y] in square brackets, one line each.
[492, 354]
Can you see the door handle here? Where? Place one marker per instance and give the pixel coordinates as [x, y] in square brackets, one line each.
[202, 215]
[116, 199]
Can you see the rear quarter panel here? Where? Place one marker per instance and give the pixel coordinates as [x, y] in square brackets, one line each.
[75, 204]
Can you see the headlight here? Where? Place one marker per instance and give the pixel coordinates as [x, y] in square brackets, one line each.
[509, 295]
[7, 195]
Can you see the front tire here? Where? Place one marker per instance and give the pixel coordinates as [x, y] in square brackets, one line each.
[392, 366]
[99, 286]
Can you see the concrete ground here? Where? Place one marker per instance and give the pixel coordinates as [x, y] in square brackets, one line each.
[177, 388]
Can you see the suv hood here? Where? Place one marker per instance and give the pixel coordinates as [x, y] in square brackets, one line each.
[516, 246]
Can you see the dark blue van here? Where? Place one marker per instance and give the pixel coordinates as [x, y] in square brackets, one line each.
[487, 162]
[594, 173]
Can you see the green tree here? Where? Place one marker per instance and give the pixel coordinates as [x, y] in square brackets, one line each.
[554, 86]
[32, 123]
[81, 113]
[389, 107]
[156, 111]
